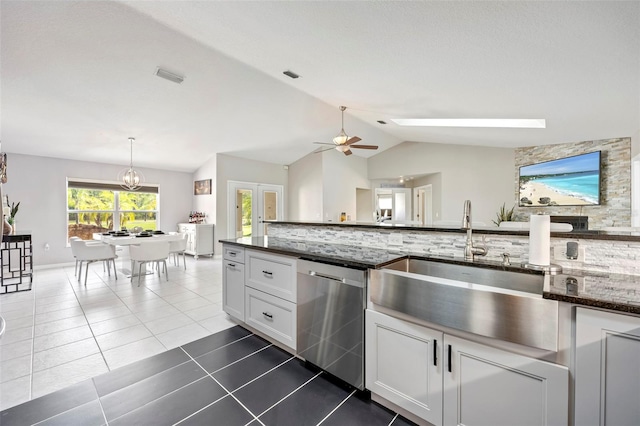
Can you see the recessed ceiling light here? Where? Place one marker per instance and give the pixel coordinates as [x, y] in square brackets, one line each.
[169, 75]
[533, 123]
[290, 74]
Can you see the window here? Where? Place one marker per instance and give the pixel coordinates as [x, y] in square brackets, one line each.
[99, 207]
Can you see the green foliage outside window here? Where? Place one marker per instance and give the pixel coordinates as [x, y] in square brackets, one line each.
[91, 211]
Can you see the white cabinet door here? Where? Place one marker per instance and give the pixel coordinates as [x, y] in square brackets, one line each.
[607, 368]
[488, 386]
[404, 364]
[233, 289]
[272, 315]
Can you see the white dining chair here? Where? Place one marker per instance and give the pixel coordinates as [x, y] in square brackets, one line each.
[177, 248]
[90, 252]
[152, 252]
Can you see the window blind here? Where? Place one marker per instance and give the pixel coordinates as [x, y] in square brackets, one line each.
[108, 186]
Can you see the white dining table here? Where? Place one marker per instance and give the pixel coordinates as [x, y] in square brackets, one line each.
[133, 240]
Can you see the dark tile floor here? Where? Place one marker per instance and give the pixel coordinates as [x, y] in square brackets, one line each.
[229, 378]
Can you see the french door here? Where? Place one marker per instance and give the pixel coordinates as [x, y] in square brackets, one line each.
[249, 205]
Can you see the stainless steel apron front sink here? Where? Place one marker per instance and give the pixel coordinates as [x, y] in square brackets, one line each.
[500, 304]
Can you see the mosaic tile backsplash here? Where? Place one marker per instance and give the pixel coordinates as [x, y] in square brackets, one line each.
[619, 257]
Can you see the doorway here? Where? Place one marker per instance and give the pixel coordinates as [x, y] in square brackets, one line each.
[249, 204]
[423, 211]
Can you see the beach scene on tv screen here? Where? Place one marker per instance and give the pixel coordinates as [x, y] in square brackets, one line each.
[571, 181]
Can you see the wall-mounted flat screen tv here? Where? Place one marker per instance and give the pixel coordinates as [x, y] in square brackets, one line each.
[570, 181]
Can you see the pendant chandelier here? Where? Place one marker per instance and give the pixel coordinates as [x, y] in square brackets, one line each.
[130, 179]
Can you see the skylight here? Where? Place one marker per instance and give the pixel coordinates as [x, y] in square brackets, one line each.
[527, 123]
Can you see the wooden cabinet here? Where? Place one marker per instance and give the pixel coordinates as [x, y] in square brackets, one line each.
[233, 281]
[404, 364]
[447, 380]
[199, 238]
[489, 386]
[607, 368]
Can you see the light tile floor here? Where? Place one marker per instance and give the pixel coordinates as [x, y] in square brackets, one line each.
[62, 332]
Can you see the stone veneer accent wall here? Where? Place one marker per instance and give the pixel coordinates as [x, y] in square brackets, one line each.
[615, 186]
[616, 257]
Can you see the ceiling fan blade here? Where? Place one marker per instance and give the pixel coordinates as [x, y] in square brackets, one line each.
[348, 152]
[352, 139]
[365, 146]
[323, 143]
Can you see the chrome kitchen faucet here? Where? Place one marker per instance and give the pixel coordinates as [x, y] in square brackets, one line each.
[469, 249]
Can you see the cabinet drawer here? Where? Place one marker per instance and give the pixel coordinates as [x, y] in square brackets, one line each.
[271, 315]
[233, 253]
[275, 275]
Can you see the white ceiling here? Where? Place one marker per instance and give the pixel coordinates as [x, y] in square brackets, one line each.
[77, 77]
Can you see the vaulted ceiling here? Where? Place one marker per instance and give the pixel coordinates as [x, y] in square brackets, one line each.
[77, 78]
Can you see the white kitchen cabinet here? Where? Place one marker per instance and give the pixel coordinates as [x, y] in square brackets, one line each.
[259, 289]
[404, 364]
[273, 274]
[607, 368]
[447, 380]
[272, 315]
[199, 238]
[233, 281]
[489, 386]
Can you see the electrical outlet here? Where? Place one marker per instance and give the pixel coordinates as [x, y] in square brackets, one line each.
[395, 239]
[574, 285]
[560, 253]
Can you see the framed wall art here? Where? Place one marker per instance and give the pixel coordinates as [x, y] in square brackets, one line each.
[202, 187]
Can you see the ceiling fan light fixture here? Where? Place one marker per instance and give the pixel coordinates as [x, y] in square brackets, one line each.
[341, 139]
[522, 123]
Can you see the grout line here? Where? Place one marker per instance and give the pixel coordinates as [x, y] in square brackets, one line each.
[338, 406]
[290, 393]
[264, 374]
[243, 358]
[393, 419]
[224, 388]
[165, 395]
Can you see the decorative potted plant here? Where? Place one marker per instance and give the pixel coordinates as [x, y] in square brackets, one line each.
[504, 215]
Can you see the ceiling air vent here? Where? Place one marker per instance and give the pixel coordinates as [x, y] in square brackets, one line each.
[290, 74]
[169, 75]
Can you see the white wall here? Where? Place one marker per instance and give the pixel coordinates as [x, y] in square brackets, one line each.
[243, 170]
[206, 203]
[39, 183]
[481, 174]
[341, 175]
[305, 188]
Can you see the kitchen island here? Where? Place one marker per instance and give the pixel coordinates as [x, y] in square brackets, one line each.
[597, 304]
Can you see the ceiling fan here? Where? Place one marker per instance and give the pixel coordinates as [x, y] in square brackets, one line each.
[343, 142]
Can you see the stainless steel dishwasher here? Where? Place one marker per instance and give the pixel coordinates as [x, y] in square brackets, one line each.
[331, 304]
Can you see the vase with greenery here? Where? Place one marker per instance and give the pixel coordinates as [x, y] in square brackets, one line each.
[504, 215]
[12, 213]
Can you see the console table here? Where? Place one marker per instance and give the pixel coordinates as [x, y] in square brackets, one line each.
[16, 263]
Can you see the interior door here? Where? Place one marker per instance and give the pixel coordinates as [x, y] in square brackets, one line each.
[250, 204]
[422, 208]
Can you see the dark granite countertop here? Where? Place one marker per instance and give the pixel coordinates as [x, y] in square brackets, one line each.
[616, 292]
[336, 254]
